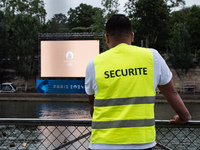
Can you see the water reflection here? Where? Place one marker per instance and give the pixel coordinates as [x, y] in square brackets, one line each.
[75, 110]
[63, 110]
[163, 111]
[17, 109]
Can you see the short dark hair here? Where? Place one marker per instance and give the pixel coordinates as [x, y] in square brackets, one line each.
[118, 25]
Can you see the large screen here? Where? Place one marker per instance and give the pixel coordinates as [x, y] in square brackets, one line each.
[67, 58]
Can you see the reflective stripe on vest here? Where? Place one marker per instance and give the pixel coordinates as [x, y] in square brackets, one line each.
[123, 123]
[124, 103]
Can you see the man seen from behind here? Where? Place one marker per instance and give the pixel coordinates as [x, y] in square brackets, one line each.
[121, 84]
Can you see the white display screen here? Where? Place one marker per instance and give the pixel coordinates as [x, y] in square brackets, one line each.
[67, 58]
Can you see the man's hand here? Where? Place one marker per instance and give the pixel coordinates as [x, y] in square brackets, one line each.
[176, 120]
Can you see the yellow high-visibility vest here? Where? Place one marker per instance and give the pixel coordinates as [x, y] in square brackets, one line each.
[124, 102]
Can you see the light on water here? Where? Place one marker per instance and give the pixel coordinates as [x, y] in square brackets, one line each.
[75, 110]
[62, 110]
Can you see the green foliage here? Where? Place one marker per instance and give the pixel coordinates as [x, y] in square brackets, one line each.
[3, 35]
[24, 44]
[4, 44]
[30, 7]
[175, 3]
[81, 29]
[191, 18]
[60, 19]
[110, 7]
[58, 24]
[81, 16]
[99, 22]
[20, 22]
[180, 55]
[198, 55]
[193, 26]
[179, 16]
[150, 18]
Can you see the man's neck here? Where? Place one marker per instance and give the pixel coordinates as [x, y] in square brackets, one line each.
[113, 44]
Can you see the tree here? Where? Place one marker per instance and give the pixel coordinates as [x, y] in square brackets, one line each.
[3, 37]
[180, 55]
[179, 16]
[30, 7]
[152, 17]
[110, 7]
[58, 24]
[81, 16]
[36, 8]
[3, 43]
[24, 45]
[189, 16]
[60, 19]
[193, 26]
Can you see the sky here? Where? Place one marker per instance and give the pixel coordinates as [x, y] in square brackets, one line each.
[62, 6]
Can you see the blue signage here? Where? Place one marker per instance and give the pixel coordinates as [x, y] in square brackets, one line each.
[61, 86]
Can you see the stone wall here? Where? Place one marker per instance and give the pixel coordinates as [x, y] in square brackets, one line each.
[20, 83]
[192, 75]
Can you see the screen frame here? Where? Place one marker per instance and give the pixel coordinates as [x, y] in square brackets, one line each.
[62, 40]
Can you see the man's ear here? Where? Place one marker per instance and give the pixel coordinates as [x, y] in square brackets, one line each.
[107, 38]
[132, 37]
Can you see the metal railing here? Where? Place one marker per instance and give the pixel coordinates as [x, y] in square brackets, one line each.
[57, 134]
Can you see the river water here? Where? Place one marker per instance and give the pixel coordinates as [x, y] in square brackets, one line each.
[65, 110]
[75, 110]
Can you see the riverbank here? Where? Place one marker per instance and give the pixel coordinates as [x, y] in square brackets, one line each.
[42, 97]
[187, 98]
[192, 98]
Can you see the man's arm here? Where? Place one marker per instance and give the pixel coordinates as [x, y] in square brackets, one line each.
[176, 102]
[91, 104]
[90, 83]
